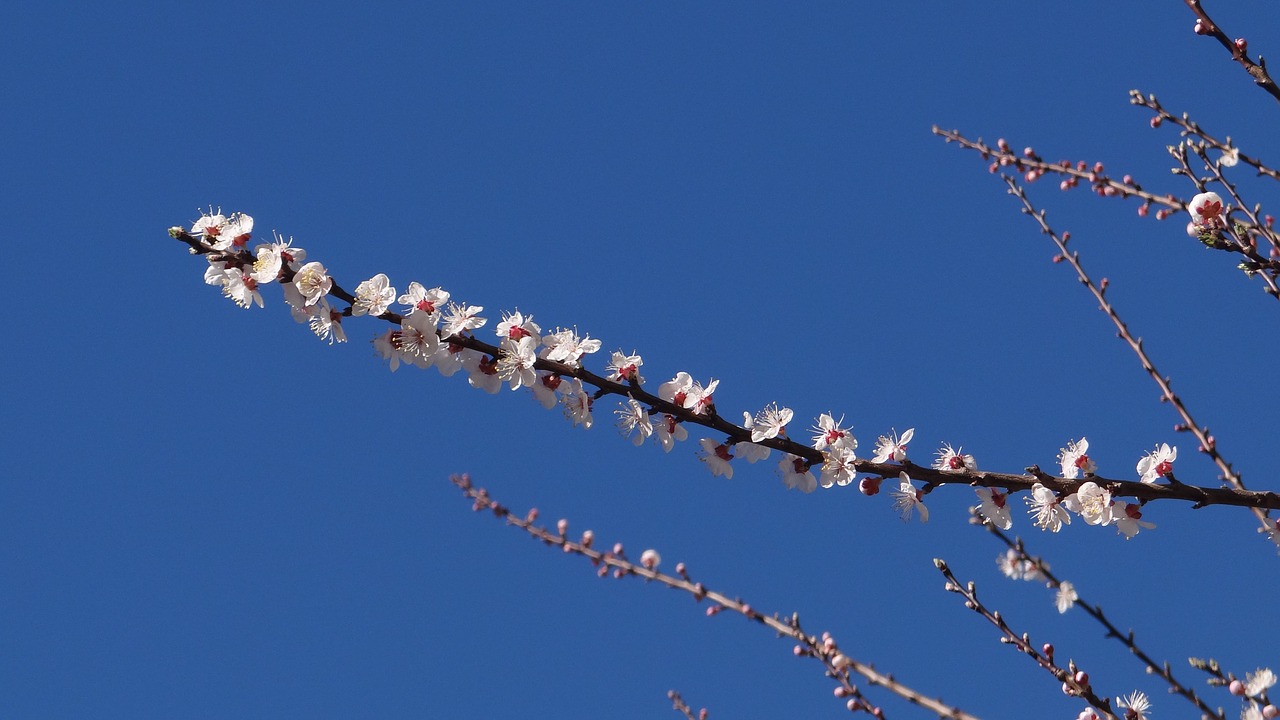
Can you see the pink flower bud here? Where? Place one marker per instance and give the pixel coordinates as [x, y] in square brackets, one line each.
[869, 486]
[1236, 688]
[1270, 712]
[1155, 122]
[1082, 678]
[650, 558]
[562, 526]
[1242, 45]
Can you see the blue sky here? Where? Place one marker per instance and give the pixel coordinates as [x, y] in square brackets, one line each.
[204, 512]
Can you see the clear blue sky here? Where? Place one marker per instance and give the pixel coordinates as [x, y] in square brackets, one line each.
[204, 512]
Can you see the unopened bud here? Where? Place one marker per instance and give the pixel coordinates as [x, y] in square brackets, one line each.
[1242, 45]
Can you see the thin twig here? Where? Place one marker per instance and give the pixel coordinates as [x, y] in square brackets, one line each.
[1237, 47]
[1159, 669]
[1208, 444]
[838, 665]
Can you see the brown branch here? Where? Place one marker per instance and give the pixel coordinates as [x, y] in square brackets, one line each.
[678, 704]
[1237, 47]
[1161, 670]
[1074, 681]
[1207, 443]
[837, 664]
[933, 478]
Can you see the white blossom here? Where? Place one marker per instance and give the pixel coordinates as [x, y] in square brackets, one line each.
[717, 457]
[1073, 459]
[907, 498]
[373, 296]
[1047, 509]
[1157, 463]
[1092, 502]
[891, 447]
[795, 474]
[1066, 597]
[633, 418]
[994, 507]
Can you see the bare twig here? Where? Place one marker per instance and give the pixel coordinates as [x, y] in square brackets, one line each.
[1074, 681]
[1237, 47]
[1208, 444]
[1159, 669]
[838, 665]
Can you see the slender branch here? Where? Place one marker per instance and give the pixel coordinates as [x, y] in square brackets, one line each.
[1074, 681]
[932, 477]
[839, 666]
[1188, 127]
[1207, 443]
[1159, 669]
[1238, 49]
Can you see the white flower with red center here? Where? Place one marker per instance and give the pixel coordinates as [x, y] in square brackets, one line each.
[326, 322]
[274, 256]
[994, 507]
[564, 346]
[516, 364]
[387, 346]
[373, 296]
[748, 451]
[418, 341]
[1136, 705]
[482, 372]
[419, 300]
[669, 431]
[1092, 502]
[216, 273]
[1158, 463]
[577, 403]
[1205, 208]
[545, 389]
[210, 225]
[839, 466]
[241, 288]
[953, 460]
[517, 325]
[717, 457]
[625, 368]
[698, 399]
[461, 318]
[297, 304]
[1047, 508]
[891, 447]
[313, 281]
[830, 433]
[1017, 567]
[237, 231]
[770, 423]
[907, 498]
[633, 418]
[795, 474]
[452, 357]
[1074, 459]
[1065, 598]
[1127, 518]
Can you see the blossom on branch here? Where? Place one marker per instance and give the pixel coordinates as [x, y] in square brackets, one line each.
[1136, 705]
[420, 301]
[907, 498]
[952, 460]
[313, 281]
[633, 418]
[1047, 508]
[994, 507]
[515, 326]
[373, 296]
[717, 457]
[669, 431]
[891, 447]
[1065, 598]
[564, 346]
[830, 433]
[1073, 459]
[625, 368]
[1128, 519]
[1092, 502]
[770, 423]
[460, 318]
[796, 475]
[1205, 208]
[1157, 463]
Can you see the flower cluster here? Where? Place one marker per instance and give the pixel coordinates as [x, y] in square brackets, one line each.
[432, 330]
